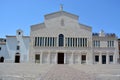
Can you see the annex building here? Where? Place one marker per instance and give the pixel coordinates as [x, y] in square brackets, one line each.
[60, 39]
[15, 48]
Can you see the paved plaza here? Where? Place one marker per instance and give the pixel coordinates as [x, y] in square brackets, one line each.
[64, 72]
[58, 72]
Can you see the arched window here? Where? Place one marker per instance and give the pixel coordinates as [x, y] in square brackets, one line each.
[19, 33]
[61, 40]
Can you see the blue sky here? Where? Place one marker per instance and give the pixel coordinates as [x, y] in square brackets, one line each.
[21, 14]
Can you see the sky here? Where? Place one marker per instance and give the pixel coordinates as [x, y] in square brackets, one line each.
[21, 14]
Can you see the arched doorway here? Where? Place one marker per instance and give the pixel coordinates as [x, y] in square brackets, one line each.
[2, 59]
[17, 58]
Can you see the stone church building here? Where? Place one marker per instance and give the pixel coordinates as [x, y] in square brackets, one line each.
[60, 39]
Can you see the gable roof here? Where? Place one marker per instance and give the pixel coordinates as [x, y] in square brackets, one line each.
[61, 13]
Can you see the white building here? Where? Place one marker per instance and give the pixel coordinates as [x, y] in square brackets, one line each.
[15, 49]
[60, 39]
[3, 50]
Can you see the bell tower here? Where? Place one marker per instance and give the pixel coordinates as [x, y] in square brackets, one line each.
[19, 32]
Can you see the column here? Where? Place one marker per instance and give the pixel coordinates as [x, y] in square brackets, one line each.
[77, 42]
[84, 42]
[107, 58]
[64, 43]
[100, 58]
[65, 58]
[87, 42]
[43, 41]
[41, 57]
[49, 42]
[55, 41]
[71, 42]
[37, 42]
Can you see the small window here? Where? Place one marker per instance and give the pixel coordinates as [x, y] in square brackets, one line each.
[37, 58]
[111, 58]
[0, 48]
[96, 43]
[96, 58]
[5, 40]
[18, 47]
[83, 59]
[19, 33]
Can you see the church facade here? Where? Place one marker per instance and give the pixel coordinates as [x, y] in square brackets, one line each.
[61, 39]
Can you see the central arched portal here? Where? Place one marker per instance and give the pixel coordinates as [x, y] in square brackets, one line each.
[60, 58]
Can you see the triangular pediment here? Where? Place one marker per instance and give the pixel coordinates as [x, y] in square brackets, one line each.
[61, 13]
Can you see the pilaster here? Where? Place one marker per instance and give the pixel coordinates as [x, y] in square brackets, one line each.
[72, 58]
[56, 58]
[107, 58]
[79, 58]
[65, 58]
[49, 57]
[100, 58]
[41, 57]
